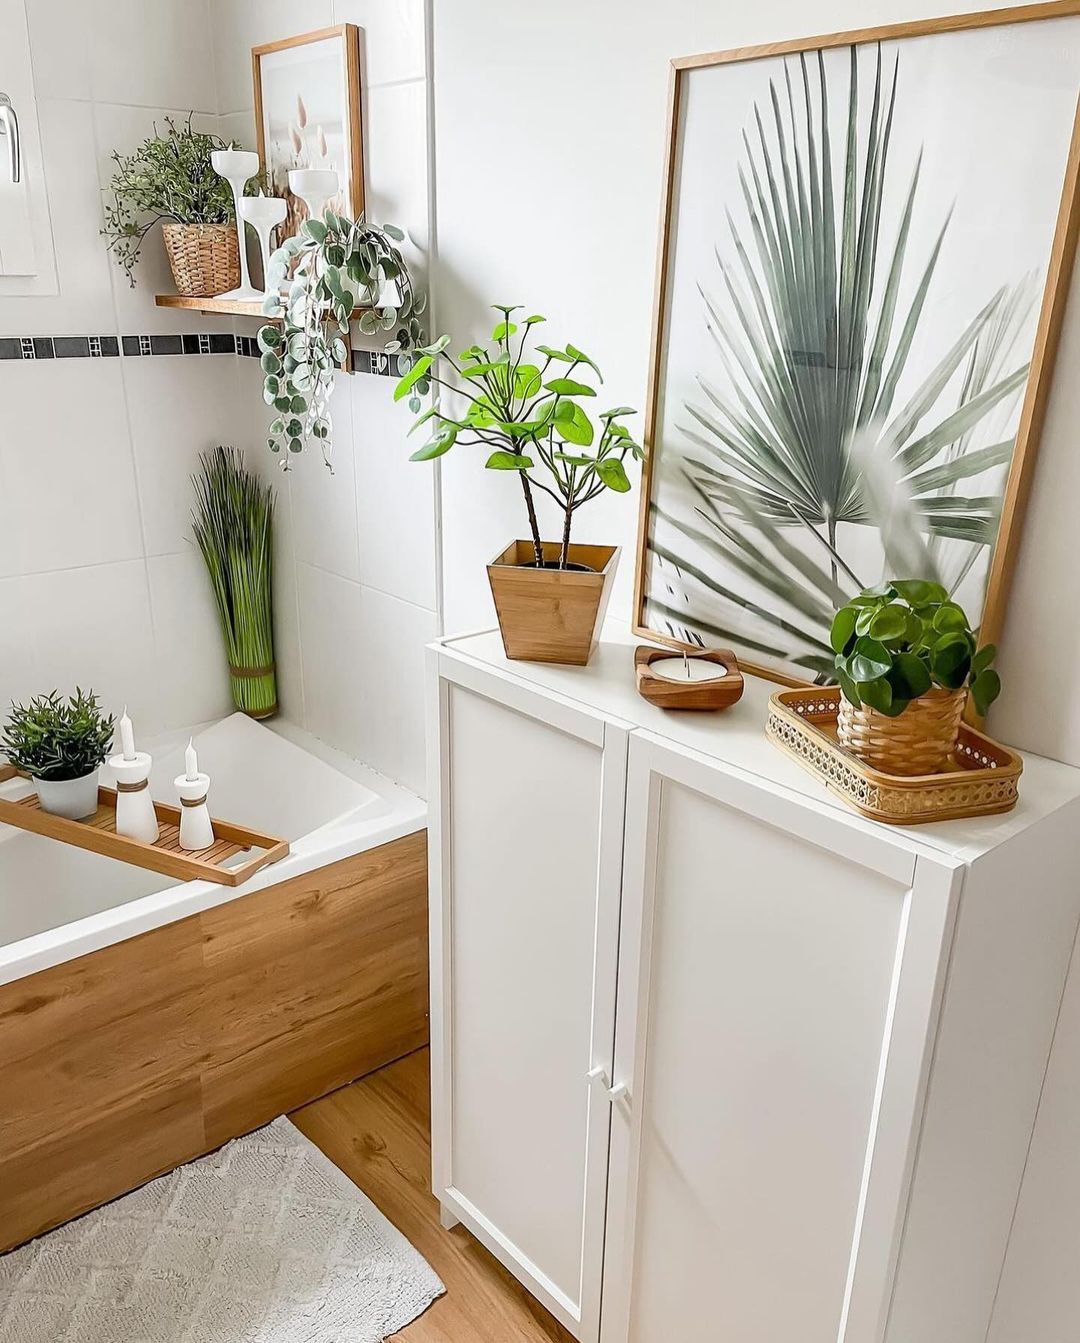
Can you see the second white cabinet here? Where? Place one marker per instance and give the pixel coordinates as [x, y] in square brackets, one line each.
[713, 1057]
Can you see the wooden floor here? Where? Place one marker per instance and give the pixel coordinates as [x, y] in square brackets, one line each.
[378, 1130]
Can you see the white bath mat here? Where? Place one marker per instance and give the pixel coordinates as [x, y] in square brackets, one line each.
[264, 1241]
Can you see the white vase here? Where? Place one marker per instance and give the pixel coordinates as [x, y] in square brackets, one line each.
[71, 798]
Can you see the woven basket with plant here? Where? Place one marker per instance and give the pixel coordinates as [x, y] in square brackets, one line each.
[234, 527]
[906, 660]
[169, 179]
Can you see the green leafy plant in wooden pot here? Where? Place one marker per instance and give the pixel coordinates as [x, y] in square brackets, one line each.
[906, 660]
[526, 405]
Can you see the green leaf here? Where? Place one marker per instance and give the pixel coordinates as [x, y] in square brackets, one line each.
[877, 694]
[526, 381]
[573, 424]
[573, 459]
[985, 688]
[503, 330]
[950, 661]
[531, 321]
[569, 387]
[848, 687]
[871, 660]
[315, 229]
[392, 231]
[918, 592]
[889, 624]
[441, 442]
[555, 354]
[270, 362]
[949, 617]
[270, 338]
[508, 461]
[412, 377]
[843, 629]
[613, 474]
[983, 658]
[436, 347]
[580, 357]
[909, 677]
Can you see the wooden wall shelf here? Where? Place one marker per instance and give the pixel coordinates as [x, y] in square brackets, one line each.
[231, 307]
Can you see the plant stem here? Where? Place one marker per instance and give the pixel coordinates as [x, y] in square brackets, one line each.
[568, 518]
[538, 549]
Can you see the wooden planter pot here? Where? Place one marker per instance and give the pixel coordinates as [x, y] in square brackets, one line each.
[918, 741]
[552, 615]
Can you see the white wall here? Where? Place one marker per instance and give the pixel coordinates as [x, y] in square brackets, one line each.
[550, 134]
[98, 581]
[357, 596]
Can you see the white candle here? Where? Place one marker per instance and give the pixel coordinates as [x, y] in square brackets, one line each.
[684, 668]
[127, 736]
[191, 761]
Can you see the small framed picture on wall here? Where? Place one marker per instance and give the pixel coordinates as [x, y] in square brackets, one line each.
[308, 115]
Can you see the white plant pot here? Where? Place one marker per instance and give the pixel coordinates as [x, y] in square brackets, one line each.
[72, 798]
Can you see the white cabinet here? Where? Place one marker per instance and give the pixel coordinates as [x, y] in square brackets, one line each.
[526, 850]
[830, 1035]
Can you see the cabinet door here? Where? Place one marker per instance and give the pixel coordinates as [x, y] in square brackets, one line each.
[779, 980]
[526, 841]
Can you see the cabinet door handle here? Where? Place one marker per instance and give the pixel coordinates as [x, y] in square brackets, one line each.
[619, 1094]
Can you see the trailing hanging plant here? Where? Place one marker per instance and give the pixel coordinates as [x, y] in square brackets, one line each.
[56, 739]
[168, 178]
[337, 265]
[233, 522]
[895, 641]
[529, 411]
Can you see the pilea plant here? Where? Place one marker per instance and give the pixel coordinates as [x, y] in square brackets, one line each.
[895, 641]
[336, 265]
[528, 410]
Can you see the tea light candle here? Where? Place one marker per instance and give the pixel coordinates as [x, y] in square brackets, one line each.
[685, 668]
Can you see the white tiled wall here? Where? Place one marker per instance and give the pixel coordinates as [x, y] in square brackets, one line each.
[360, 581]
[99, 584]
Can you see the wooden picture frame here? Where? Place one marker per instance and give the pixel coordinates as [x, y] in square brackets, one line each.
[348, 156]
[1047, 326]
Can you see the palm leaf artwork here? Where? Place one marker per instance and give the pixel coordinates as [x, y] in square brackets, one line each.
[819, 314]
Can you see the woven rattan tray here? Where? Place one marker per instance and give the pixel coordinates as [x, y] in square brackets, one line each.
[98, 834]
[981, 779]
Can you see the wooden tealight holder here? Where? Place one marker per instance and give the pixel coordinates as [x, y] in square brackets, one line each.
[718, 693]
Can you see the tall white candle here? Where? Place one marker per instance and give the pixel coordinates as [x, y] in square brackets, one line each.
[127, 736]
[191, 761]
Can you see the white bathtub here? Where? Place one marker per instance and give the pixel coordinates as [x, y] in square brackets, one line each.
[59, 902]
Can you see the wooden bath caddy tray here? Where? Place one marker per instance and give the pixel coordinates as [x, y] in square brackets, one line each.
[98, 834]
[980, 780]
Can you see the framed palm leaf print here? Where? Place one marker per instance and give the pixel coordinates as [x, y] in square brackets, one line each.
[865, 248]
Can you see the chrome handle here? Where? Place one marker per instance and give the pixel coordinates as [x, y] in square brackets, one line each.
[9, 127]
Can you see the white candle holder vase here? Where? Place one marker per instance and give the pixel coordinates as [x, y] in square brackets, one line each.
[196, 829]
[238, 166]
[264, 214]
[135, 815]
[314, 186]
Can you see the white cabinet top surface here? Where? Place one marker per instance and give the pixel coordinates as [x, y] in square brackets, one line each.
[736, 737]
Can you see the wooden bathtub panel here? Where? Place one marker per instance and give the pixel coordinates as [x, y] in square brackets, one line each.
[315, 983]
[84, 1039]
[125, 1063]
[98, 1158]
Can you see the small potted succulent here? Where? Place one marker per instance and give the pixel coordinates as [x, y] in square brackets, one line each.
[61, 744]
[906, 660]
[170, 179]
[527, 410]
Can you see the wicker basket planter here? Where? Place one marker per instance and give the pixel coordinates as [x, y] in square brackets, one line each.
[918, 741]
[205, 258]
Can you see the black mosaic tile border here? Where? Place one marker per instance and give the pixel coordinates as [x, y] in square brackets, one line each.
[138, 347]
